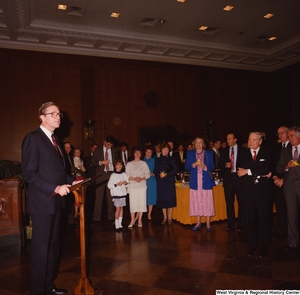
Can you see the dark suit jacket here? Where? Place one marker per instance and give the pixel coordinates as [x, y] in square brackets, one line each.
[276, 156]
[99, 156]
[90, 168]
[262, 166]
[176, 156]
[69, 164]
[120, 157]
[180, 164]
[290, 175]
[216, 158]
[43, 172]
[224, 158]
[88, 165]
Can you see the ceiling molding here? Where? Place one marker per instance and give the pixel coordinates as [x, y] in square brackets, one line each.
[23, 26]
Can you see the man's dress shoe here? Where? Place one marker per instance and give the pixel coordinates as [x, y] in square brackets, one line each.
[251, 251]
[95, 223]
[262, 253]
[57, 291]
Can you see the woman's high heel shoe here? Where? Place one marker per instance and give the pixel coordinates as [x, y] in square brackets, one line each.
[208, 229]
[197, 227]
[131, 225]
[164, 221]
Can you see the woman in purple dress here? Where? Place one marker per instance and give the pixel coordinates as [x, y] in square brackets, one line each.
[200, 163]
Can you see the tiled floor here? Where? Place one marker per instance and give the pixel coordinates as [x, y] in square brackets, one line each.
[164, 260]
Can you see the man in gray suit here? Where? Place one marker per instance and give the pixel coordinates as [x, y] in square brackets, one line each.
[289, 165]
[103, 158]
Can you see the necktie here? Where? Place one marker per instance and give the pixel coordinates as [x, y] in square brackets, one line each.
[254, 155]
[56, 147]
[106, 158]
[296, 155]
[283, 145]
[125, 158]
[232, 159]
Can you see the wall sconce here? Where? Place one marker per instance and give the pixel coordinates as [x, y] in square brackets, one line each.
[88, 130]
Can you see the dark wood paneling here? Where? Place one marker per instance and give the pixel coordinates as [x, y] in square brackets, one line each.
[95, 88]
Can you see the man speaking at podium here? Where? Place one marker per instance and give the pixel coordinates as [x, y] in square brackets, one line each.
[43, 169]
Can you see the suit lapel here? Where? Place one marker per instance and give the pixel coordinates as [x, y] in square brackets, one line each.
[228, 154]
[50, 146]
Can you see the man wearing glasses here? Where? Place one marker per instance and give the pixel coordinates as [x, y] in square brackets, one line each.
[43, 169]
[103, 159]
[289, 165]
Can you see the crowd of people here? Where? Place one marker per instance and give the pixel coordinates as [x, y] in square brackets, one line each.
[257, 174]
[253, 174]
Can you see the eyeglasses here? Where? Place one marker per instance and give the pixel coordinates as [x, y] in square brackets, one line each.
[277, 134]
[54, 114]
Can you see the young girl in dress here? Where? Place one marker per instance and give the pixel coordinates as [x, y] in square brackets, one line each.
[117, 184]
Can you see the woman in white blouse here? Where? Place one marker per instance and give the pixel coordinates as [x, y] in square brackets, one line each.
[137, 172]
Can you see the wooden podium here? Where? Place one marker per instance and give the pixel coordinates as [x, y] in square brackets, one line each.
[84, 287]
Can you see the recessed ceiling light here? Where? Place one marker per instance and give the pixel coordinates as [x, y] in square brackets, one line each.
[182, 1]
[228, 7]
[272, 38]
[62, 7]
[268, 15]
[115, 14]
[203, 28]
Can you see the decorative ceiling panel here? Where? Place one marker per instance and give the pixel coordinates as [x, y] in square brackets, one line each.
[237, 39]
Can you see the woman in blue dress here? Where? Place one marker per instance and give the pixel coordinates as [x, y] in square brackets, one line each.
[151, 182]
[165, 170]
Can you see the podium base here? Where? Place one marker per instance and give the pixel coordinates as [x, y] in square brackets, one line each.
[84, 288]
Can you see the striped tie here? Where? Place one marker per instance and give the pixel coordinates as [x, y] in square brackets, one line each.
[56, 147]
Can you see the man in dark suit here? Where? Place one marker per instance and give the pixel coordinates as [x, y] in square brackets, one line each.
[69, 212]
[216, 150]
[231, 182]
[90, 190]
[68, 154]
[173, 153]
[281, 216]
[123, 154]
[181, 157]
[43, 169]
[289, 164]
[157, 151]
[103, 159]
[254, 168]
